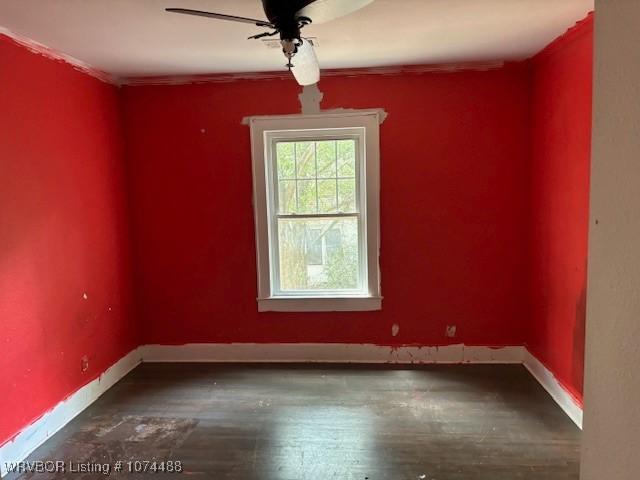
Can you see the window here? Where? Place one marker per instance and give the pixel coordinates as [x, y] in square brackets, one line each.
[316, 193]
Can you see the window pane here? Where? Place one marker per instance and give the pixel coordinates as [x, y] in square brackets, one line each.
[332, 242]
[286, 196]
[306, 159]
[326, 151]
[347, 195]
[313, 246]
[285, 152]
[307, 197]
[327, 196]
[346, 158]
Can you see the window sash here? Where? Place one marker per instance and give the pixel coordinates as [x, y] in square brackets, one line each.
[272, 138]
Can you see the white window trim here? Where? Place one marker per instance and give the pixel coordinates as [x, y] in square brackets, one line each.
[369, 120]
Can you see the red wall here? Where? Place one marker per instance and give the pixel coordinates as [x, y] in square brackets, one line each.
[63, 232]
[561, 152]
[453, 215]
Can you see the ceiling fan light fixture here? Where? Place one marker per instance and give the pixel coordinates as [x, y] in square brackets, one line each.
[306, 69]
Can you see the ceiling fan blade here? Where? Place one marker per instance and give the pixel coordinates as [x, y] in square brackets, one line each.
[221, 16]
[321, 11]
[306, 68]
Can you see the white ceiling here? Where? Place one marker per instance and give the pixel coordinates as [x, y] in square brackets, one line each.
[137, 38]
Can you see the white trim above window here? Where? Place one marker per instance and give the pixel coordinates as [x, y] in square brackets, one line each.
[316, 181]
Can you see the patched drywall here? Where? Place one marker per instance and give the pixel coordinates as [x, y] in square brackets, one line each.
[612, 388]
[310, 99]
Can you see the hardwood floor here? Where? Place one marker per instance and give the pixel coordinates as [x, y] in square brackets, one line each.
[306, 422]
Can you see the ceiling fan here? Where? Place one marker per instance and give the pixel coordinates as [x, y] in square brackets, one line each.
[287, 18]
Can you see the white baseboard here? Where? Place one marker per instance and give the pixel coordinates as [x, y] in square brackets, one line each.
[550, 383]
[35, 434]
[23, 444]
[329, 353]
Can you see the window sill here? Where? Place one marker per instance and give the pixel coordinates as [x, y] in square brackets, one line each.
[319, 304]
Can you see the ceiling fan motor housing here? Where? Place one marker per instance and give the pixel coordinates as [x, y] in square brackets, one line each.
[283, 15]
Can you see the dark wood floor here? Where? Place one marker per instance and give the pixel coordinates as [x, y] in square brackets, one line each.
[319, 423]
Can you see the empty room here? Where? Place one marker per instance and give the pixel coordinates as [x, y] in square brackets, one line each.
[320, 239]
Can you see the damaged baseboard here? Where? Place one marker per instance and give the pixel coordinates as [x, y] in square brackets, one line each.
[30, 438]
[34, 435]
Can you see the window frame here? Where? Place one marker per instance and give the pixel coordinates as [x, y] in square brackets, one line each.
[265, 133]
[272, 138]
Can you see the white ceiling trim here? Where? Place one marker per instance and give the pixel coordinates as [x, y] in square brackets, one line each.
[51, 54]
[338, 72]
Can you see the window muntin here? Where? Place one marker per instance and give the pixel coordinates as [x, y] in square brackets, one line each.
[316, 177]
[318, 198]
